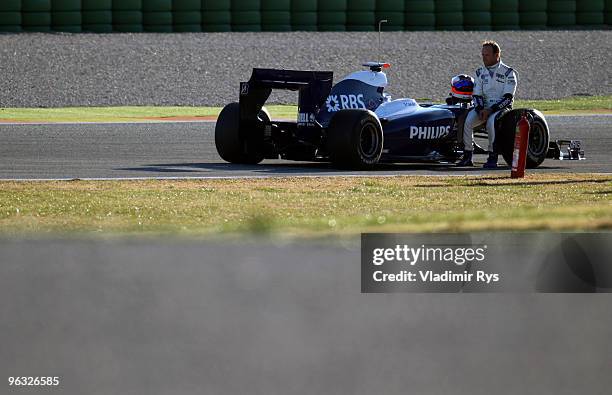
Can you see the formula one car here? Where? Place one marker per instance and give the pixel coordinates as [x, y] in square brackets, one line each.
[355, 124]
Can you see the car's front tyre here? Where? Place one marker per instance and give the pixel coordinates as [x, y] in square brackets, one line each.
[538, 142]
[539, 137]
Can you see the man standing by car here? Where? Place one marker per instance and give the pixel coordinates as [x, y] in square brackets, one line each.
[494, 88]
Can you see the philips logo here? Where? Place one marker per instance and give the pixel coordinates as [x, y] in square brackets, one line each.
[429, 132]
[340, 102]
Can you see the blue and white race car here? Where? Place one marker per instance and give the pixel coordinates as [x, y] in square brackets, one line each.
[355, 124]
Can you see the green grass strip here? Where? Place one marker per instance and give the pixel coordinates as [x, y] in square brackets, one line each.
[103, 114]
[306, 207]
[571, 105]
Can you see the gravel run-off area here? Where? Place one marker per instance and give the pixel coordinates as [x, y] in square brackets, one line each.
[201, 69]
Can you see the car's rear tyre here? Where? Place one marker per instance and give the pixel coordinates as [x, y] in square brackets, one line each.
[355, 139]
[538, 138]
[231, 144]
[264, 115]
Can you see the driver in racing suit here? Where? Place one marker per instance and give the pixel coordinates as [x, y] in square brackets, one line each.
[494, 88]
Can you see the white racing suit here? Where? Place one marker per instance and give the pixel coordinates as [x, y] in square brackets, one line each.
[494, 88]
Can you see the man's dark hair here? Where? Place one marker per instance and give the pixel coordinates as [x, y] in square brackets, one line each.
[494, 46]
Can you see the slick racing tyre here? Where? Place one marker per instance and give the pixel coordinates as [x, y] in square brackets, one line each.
[538, 137]
[264, 115]
[538, 142]
[234, 146]
[355, 139]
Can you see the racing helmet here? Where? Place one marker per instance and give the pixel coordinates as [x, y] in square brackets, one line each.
[462, 86]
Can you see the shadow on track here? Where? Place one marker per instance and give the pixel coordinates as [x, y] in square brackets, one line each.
[301, 167]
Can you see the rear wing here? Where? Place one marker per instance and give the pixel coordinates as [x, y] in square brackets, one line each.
[313, 87]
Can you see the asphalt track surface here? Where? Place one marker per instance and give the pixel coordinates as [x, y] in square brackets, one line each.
[160, 317]
[186, 149]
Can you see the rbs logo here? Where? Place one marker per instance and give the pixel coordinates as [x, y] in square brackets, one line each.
[340, 102]
[306, 119]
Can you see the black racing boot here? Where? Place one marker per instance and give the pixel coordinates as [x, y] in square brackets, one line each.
[466, 160]
[491, 161]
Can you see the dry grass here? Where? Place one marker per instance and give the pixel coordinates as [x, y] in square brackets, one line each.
[307, 206]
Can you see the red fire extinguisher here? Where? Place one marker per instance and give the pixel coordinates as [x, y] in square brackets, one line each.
[521, 139]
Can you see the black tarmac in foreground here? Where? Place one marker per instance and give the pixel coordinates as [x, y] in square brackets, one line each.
[157, 317]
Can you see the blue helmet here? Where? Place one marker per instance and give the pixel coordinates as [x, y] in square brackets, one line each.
[462, 87]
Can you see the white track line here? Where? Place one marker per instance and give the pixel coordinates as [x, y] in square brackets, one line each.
[267, 176]
[224, 177]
